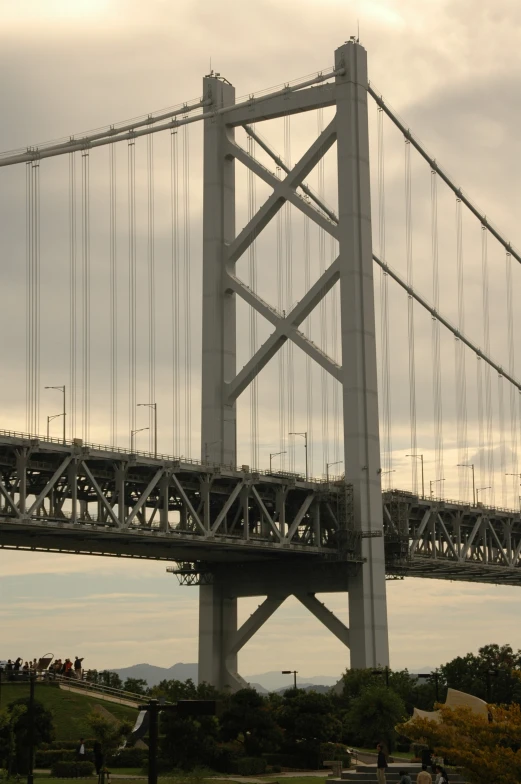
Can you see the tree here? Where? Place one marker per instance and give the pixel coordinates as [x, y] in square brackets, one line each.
[17, 725]
[487, 748]
[469, 673]
[136, 686]
[175, 690]
[308, 720]
[8, 722]
[187, 743]
[373, 716]
[249, 720]
[110, 734]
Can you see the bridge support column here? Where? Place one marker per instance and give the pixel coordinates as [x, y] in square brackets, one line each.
[217, 612]
[367, 596]
[219, 639]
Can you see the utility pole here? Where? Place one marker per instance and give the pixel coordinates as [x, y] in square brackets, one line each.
[30, 730]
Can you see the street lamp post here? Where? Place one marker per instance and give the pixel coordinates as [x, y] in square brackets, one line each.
[49, 420]
[153, 406]
[433, 482]
[133, 433]
[291, 672]
[64, 413]
[480, 489]
[305, 436]
[274, 454]
[470, 465]
[419, 457]
[30, 729]
[336, 462]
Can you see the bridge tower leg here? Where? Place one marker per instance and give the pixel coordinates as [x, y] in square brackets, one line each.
[367, 594]
[217, 612]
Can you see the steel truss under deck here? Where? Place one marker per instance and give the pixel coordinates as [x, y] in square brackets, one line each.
[92, 500]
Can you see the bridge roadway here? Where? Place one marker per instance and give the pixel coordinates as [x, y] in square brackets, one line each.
[91, 499]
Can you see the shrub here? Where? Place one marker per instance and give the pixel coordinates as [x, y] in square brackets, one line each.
[285, 760]
[128, 758]
[47, 757]
[250, 766]
[70, 745]
[69, 770]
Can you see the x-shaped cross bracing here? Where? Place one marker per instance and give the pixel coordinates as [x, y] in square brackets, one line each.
[286, 325]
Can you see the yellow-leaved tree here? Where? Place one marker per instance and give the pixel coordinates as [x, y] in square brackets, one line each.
[487, 750]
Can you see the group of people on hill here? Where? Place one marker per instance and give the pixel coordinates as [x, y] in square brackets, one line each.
[424, 777]
[67, 668]
[19, 666]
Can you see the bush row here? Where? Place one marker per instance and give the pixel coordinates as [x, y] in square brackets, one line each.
[126, 758]
[69, 770]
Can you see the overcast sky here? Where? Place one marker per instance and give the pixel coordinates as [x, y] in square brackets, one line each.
[450, 69]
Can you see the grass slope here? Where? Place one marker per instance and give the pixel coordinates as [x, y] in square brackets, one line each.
[70, 711]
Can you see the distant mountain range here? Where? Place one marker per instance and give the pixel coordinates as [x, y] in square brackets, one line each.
[264, 682]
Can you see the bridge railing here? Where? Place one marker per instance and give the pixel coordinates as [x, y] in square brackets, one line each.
[79, 443]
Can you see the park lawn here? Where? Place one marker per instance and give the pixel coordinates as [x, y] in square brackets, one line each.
[69, 710]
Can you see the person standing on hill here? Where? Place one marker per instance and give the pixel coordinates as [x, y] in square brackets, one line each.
[77, 668]
[381, 764]
[81, 751]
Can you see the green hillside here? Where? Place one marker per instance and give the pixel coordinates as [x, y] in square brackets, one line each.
[69, 710]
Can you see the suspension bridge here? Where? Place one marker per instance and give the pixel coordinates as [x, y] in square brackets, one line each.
[181, 261]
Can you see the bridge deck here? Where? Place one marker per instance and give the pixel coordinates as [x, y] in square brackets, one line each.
[88, 499]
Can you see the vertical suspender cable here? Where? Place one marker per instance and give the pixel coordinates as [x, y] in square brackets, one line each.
[282, 355]
[436, 354]
[37, 285]
[187, 291]
[481, 429]
[132, 285]
[384, 321]
[28, 297]
[488, 382]
[307, 332]
[252, 268]
[324, 376]
[33, 296]
[151, 290]
[85, 237]
[461, 378]
[514, 466]
[288, 348]
[72, 297]
[113, 299]
[502, 445]
[174, 224]
[410, 316]
[333, 295]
